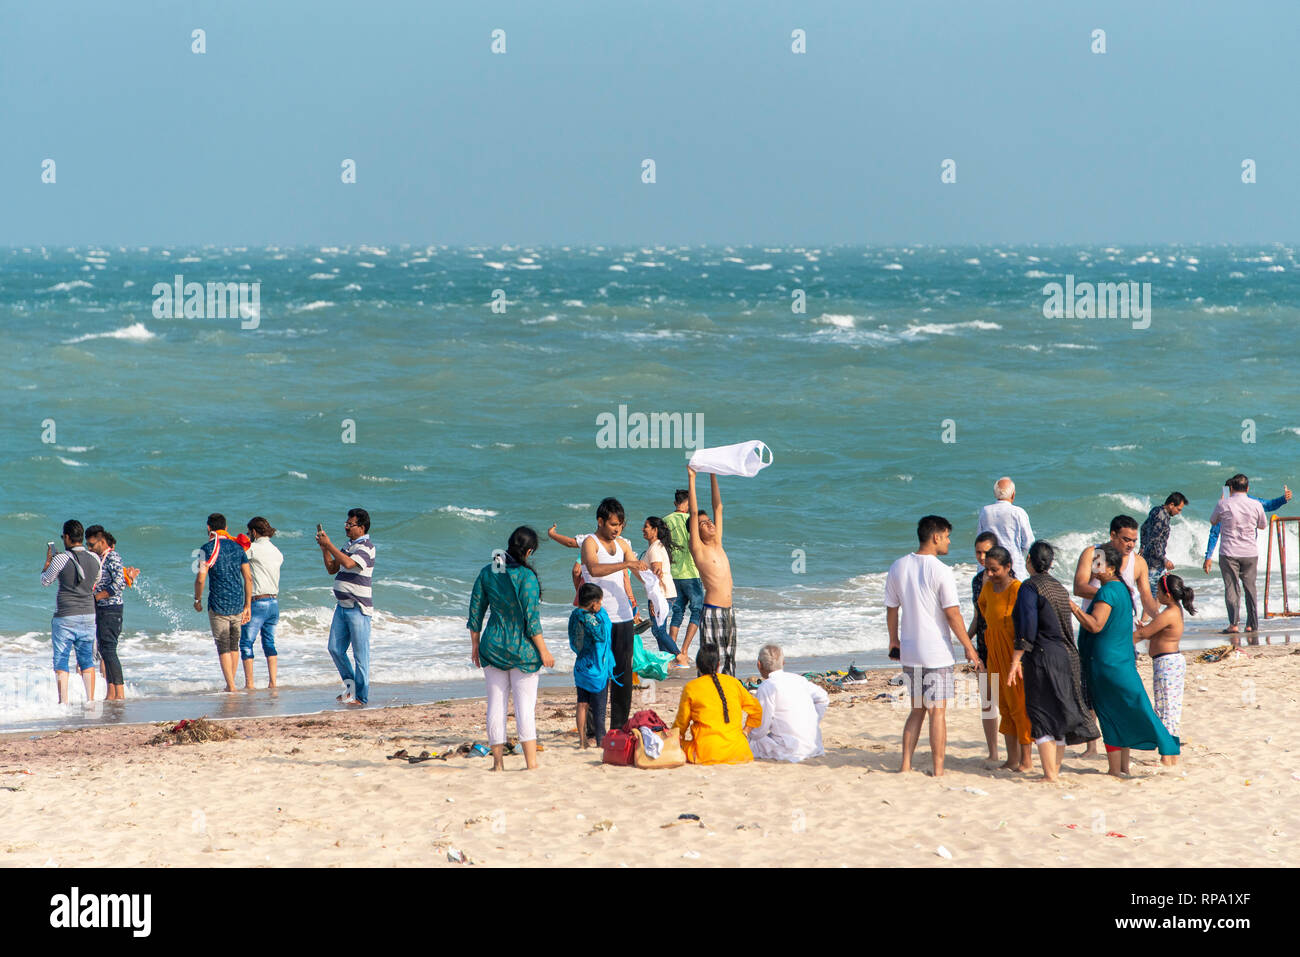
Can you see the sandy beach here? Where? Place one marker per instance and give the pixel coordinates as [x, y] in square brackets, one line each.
[320, 791]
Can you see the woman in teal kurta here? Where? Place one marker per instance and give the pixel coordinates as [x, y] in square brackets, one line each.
[510, 650]
[1107, 655]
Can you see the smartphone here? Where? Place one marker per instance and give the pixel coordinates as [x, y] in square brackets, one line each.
[50, 546]
[319, 528]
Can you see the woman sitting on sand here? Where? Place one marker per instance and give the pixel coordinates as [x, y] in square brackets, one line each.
[1047, 661]
[1168, 666]
[717, 710]
[1110, 666]
[996, 601]
[511, 650]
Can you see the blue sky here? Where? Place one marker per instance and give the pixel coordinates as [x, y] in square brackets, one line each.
[753, 144]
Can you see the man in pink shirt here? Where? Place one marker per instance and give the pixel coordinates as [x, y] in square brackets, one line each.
[1238, 517]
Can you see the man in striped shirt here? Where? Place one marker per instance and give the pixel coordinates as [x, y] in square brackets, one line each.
[352, 568]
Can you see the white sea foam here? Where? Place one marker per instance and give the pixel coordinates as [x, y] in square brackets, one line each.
[72, 462]
[574, 505]
[1036, 274]
[893, 267]
[322, 275]
[1216, 310]
[759, 267]
[472, 514]
[532, 322]
[379, 478]
[136, 332]
[971, 262]
[1120, 448]
[69, 286]
[301, 475]
[312, 306]
[415, 468]
[1132, 502]
[1216, 464]
[839, 320]
[578, 303]
[351, 287]
[943, 329]
[618, 267]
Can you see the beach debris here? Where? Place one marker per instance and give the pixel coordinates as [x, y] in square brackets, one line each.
[1217, 653]
[457, 856]
[752, 826]
[605, 825]
[399, 754]
[191, 731]
[481, 750]
[897, 680]
[1115, 834]
[971, 790]
[688, 817]
[692, 855]
[1001, 825]
[424, 756]
[943, 852]
[1295, 775]
[340, 750]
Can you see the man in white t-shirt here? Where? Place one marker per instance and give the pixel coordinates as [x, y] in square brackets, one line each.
[922, 592]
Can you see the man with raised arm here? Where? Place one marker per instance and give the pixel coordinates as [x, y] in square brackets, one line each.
[718, 621]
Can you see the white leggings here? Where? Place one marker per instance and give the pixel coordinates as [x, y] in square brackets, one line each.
[500, 684]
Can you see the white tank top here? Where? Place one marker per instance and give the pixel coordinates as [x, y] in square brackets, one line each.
[1126, 576]
[614, 601]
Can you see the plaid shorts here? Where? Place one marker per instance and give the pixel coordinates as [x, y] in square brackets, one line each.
[931, 685]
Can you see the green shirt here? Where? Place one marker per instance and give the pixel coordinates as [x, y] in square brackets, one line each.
[683, 566]
[513, 595]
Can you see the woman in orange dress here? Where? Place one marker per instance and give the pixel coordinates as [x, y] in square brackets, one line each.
[997, 602]
[718, 710]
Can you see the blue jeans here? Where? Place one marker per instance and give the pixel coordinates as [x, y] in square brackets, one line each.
[689, 592]
[351, 627]
[73, 632]
[264, 616]
[665, 640]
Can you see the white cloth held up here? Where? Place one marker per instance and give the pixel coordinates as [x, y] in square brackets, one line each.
[744, 459]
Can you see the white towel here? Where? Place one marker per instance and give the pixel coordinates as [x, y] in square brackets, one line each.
[653, 744]
[744, 459]
[658, 603]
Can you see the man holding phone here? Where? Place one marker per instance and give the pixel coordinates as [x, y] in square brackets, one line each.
[73, 625]
[353, 567]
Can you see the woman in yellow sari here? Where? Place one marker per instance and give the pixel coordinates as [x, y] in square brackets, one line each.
[997, 602]
[717, 710]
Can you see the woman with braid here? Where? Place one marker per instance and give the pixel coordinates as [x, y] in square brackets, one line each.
[1047, 663]
[717, 710]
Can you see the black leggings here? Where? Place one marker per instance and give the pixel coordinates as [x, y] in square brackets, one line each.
[108, 628]
[620, 692]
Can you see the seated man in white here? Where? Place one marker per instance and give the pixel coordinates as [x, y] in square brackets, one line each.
[793, 708]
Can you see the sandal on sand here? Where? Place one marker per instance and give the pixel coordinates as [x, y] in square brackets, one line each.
[424, 756]
[399, 754]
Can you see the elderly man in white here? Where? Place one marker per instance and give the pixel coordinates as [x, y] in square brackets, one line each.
[1009, 522]
[793, 708]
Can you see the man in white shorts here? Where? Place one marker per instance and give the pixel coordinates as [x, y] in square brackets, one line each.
[922, 592]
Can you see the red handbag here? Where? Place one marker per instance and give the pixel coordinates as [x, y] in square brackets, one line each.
[619, 748]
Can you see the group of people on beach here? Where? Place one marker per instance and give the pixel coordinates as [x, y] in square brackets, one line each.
[1037, 685]
[686, 576]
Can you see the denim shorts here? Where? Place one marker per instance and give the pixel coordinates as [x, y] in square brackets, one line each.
[689, 592]
[73, 632]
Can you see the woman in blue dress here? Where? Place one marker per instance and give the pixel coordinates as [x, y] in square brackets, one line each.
[1110, 664]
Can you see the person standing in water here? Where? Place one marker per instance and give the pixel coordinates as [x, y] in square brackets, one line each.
[1168, 666]
[718, 622]
[264, 561]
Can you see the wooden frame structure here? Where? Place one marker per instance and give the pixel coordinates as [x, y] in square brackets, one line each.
[1277, 529]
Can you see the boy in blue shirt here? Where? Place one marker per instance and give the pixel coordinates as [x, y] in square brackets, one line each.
[589, 637]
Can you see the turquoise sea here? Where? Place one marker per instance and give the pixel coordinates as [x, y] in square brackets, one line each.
[470, 421]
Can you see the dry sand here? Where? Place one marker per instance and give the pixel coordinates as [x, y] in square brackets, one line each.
[319, 791]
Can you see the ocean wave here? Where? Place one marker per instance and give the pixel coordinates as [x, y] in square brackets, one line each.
[472, 514]
[1120, 448]
[379, 478]
[839, 320]
[533, 322]
[759, 267]
[1217, 310]
[300, 475]
[893, 267]
[136, 332]
[1036, 274]
[72, 462]
[312, 306]
[69, 286]
[323, 275]
[940, 329]
[415, 468]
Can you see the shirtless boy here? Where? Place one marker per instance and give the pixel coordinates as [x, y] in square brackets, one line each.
[718, 623]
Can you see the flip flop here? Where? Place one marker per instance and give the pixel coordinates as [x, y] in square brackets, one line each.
[399, 754]
[424, 756]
